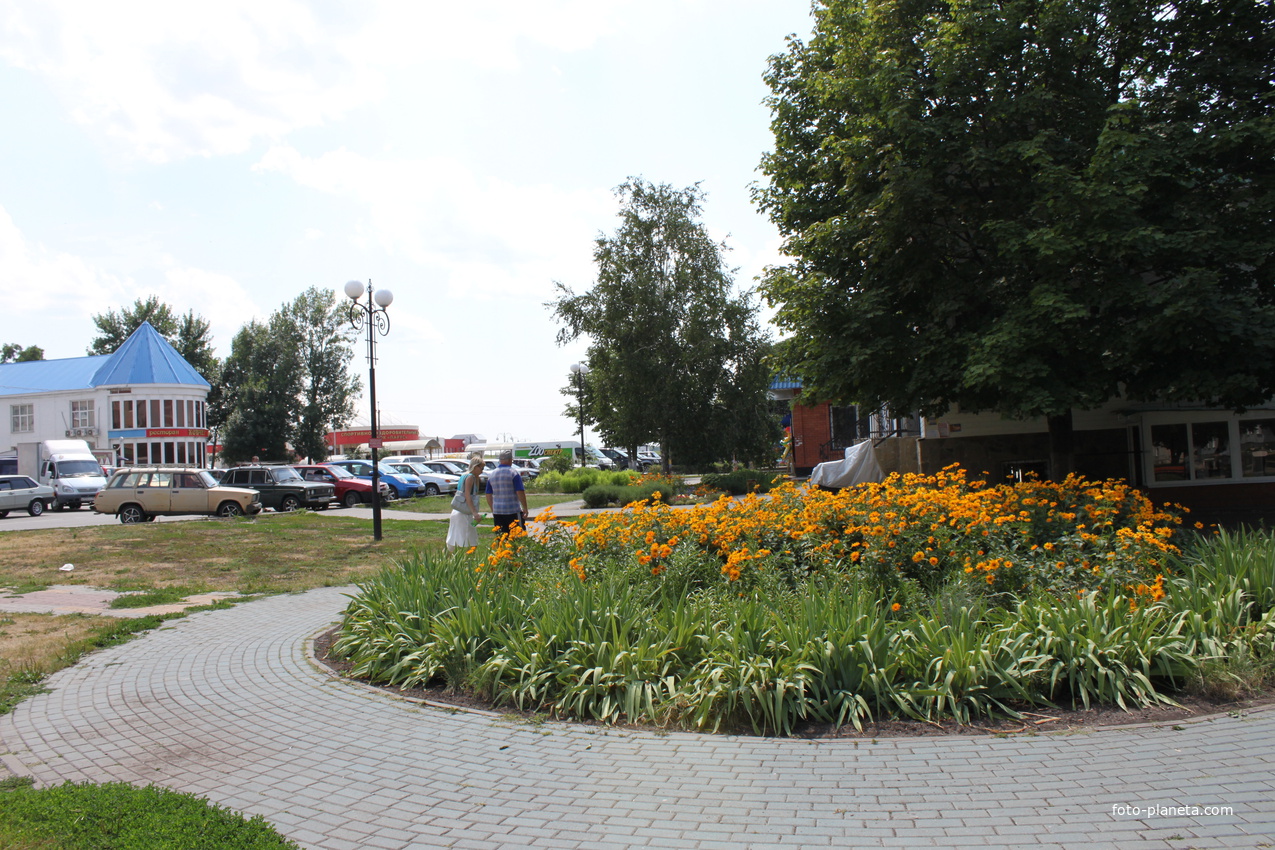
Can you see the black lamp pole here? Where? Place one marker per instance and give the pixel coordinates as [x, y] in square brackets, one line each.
[371, 315]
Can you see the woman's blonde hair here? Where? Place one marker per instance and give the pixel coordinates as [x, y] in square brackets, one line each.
[475, 464]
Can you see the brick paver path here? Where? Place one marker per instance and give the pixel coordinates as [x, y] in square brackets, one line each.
[228, 705]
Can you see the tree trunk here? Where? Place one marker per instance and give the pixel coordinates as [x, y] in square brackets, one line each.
[1062, 457]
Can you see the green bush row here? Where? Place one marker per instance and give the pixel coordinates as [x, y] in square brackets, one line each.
[603, 495]
[683, 650]
[740, 482]
[580, 479]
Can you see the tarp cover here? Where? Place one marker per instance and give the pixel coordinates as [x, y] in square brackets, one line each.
[859, 467]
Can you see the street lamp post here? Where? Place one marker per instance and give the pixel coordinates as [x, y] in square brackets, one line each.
[371, 315]
[578, 371]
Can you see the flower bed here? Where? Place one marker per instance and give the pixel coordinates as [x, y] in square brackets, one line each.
[923, 597]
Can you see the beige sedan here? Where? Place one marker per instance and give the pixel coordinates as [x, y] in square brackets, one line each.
[139, 494]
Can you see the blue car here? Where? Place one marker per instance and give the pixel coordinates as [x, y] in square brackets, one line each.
[404, 485]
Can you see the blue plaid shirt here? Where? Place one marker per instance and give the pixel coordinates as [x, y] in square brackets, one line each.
[503, 485]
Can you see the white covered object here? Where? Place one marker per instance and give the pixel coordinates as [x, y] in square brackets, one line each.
[859, 467]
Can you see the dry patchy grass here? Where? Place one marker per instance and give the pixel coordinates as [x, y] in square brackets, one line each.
[36, 642]
[268, 554]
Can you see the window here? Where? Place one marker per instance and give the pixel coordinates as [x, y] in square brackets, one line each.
[1257, 447]
[128, 414]
[21, 418]
[82, 414]
[116, 419]
[141, 414]
[168, 414]
[181, 414]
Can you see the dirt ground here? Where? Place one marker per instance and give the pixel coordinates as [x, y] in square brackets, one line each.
[1035, 720]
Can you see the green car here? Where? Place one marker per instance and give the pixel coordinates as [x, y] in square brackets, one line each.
[18, 492]
[281, 487]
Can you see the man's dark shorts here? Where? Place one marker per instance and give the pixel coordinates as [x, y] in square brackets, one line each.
[504, 522]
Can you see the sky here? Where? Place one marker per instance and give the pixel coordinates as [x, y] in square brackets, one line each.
[227, 156]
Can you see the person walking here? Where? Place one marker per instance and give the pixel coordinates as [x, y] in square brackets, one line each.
[506, 496]
[462, 529]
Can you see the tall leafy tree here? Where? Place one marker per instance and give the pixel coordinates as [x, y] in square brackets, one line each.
[670, 342]
[262, 381]
[189, 334]
[323, 337]
[14, 353]
[1027, 205]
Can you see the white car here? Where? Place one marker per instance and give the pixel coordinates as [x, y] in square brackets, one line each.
[435, 482]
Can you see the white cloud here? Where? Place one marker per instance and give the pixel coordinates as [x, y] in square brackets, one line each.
[52, 297]
[171, 80]
[487, 237]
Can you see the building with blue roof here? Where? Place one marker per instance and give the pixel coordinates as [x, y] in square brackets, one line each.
[144, 404]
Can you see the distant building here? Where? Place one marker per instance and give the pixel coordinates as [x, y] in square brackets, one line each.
[144, 404]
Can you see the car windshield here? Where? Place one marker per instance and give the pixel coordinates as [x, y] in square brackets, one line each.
[285, 473]
[208, 478]
[386, 469]
[339, 472]
[79, 469]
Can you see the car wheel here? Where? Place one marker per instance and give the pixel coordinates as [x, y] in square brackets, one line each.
[351, 499]
[3, 514]
[290, 504]
[229, 509]
[57, 506]
[130, 514]
[431, 489]
[73, 506]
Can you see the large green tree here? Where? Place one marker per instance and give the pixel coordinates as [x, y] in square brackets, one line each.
[262, 385]
[323, 336]
[189, 334]
[674, 352]
[1027, 205]
[287, 381]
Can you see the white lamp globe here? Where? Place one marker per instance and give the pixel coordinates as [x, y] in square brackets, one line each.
[354, 289]
[383, 298]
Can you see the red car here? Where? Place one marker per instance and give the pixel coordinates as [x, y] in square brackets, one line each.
[349, 489]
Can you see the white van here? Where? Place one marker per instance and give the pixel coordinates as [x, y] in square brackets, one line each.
[68, 466]
[593, 457]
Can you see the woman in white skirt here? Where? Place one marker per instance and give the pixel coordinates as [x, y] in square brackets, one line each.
[462, 530]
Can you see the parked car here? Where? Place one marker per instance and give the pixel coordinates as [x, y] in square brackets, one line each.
[348, 489]
[19, 492]
[404, 486]
[435, 482]
[527, 468]
[139, 494]
[281, 487]
[457, 467]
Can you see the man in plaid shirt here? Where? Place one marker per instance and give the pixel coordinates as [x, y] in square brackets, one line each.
[506, 497]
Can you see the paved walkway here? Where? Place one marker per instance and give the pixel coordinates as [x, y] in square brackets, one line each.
[229, 705]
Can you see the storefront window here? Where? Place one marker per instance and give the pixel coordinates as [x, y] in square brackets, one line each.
[181, 414]
[1211, 442]
[168, 413]
[143, 454]
[128, 414]
[155, 420]
[1169, 452]
[1257, 447]
[141, 414]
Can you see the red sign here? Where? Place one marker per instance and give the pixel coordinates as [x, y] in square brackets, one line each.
[355, 436]
[176, 432]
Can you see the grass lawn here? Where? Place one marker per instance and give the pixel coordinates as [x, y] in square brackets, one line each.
[443, 504]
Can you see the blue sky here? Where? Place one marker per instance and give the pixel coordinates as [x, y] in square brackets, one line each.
[463, 155]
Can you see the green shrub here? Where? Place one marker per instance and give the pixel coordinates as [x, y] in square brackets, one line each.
[558, 463]
[546, 482]
[579, 480]
[118, 815]
[601, 495]
[740, 482]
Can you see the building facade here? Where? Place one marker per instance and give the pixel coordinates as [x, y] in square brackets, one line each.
[144, 404]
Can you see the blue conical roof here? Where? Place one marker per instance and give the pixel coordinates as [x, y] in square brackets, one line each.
[146, 358]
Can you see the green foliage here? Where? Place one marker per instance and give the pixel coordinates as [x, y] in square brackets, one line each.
[740, 481]
[1026, 206]
[323, 336]
[119, 815]
[680, 645]
[13, 353]
[558, 462]
[675, 356]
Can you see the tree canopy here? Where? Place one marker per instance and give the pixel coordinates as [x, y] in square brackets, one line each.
[14, 353]
[287, 381]
[189, 334]
[1026, 205]
[675, 355]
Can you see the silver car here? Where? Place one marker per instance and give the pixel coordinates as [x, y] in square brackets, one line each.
[18, 492]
